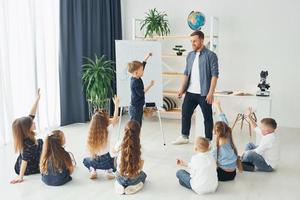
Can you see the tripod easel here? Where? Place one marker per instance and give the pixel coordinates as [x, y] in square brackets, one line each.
[242, 117]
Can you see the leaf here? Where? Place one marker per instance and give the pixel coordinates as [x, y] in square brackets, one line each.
[97, 76]
[155, 22]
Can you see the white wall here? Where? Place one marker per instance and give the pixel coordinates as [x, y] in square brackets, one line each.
[254, 35]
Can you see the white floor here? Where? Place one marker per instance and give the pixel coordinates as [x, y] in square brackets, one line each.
[160, 167]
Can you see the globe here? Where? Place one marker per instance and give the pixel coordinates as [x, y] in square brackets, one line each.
[196, 20]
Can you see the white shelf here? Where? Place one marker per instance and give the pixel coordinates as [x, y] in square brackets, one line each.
[172, 74]
[173, 56]
[172, 93]
[170, 37]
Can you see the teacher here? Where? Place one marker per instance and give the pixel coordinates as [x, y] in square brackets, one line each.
[199, 83]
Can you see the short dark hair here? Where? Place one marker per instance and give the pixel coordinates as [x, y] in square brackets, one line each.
[269, 122]
[199, 33]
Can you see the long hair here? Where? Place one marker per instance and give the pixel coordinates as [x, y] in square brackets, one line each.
[54, 152]
[21, 131]
[224, 131]
[131, 164]
[98, 133]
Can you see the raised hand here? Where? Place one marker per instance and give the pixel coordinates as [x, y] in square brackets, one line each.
[152, 83]
[148, 56]
[116, 100]
[249, 111]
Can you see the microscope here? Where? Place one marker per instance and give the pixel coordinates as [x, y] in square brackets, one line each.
[263, 85]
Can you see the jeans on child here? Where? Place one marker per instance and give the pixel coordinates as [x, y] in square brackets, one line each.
[56, 179]
[136, 113]
[184, 178]
[104, 162]
[125, 182]
[254, 158]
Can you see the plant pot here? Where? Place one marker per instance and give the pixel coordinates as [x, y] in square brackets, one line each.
[93, 107]
[179, 53]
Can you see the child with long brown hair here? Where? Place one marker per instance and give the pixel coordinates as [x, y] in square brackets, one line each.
[225, 152]
[98, 142]
[130, 177]
[55, 164]
[25, 143]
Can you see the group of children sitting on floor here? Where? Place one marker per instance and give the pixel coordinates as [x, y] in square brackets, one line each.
[205, 169]
[208, 167]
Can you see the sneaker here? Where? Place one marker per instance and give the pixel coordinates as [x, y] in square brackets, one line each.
[119, 188]
[93, 174]
[134, 188]
[109, 175]
[180, 140]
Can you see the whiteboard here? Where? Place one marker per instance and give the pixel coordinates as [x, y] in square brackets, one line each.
[129, 50]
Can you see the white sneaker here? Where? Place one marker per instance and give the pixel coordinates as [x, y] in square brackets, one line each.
[180, 140]
[119, 188]
[134, 188]
[93, 174]
[109, 175]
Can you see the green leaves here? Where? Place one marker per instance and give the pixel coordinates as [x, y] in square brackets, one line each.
[155, 22]
[97, 77]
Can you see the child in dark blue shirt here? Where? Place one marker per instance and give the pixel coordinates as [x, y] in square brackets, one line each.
[136, 69]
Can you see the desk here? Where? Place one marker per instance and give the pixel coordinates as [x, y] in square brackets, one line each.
[232, 105]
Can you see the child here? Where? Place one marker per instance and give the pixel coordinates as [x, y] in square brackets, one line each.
[203, 176]
[130, 177]
[98, 142]
[136, 69]
[26, 145]
[265, 156]
[55, 163]
[225, 153]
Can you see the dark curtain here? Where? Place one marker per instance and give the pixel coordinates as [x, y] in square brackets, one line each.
[87, 27]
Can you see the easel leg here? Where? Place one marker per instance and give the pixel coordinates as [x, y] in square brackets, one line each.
[236, 120]
[120, 121]
[161, 129]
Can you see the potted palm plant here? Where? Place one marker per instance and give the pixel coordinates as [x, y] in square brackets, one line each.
[155, 23]
[97, 78]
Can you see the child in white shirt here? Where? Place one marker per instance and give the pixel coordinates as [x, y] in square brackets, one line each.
[265, 156]
[202, 176]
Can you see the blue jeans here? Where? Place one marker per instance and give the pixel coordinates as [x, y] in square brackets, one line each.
[184, 178]
[104, 162]
[125, 182]
[255, 159]
[56, 179]
[136, 113]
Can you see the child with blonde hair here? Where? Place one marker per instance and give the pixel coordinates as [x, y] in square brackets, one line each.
[265, 155]
[202, 175]
[98, 142]
[136, 69]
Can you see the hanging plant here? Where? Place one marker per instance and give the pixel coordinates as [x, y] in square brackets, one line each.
[155, 23]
